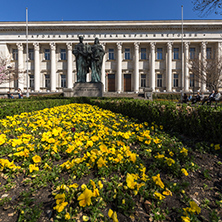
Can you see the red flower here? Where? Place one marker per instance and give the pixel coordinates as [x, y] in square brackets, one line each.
[73, 129]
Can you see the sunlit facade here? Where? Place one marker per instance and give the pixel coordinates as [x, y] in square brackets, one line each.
[139, 54]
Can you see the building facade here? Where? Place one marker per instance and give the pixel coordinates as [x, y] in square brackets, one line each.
[139, 54]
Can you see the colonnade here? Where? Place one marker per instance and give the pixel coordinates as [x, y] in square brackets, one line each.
[118, 71]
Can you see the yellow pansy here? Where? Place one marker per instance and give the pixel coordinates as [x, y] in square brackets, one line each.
[85, 198]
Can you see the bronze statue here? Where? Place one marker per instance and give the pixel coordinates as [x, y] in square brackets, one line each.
[96, 61]
[80, 52]
[88, 57]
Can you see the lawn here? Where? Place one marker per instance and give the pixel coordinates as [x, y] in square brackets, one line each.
[78, 162]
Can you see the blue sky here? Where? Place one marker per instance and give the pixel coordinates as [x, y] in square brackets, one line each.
[71, 10]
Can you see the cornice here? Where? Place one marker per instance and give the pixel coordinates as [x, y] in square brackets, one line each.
[80, 26]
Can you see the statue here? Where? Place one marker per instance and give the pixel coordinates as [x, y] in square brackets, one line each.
[88, 57]
[96, 61]
[81, 54]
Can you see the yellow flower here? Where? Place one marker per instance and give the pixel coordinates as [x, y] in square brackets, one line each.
[100, 185]
[159, 195]
[96, 193]
[60, 198]
[67, 216]
[133, 157]
[85, 218]
[194, 207]
[184, 172]
[36, 159]
[158, 180]
[167, 192]
[159, 156]
[33, 167]
[123, 201]
[75, 185]
[130, 181]
[89, 143]
[185, 219]
[113, 215]
[60, 207]
[169, 161]
[101, 162]
[217, 147]
[184, 151]
[85, 198]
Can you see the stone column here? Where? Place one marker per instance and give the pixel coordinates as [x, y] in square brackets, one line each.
[21, 74]
[152, 66]
[169, 67]
[204, 62]
[136, 67]
[69, 66]
[119, 67]
[53, 67]
[103, 74]
[186, 67]
[36, 68]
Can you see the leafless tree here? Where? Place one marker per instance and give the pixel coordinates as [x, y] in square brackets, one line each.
[205, 7]
[208, 71]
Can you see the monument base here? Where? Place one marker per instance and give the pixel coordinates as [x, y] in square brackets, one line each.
[67, 92]
[88, 89]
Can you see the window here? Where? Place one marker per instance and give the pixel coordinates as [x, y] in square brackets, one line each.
[143, 53]
[175, 53]
[192, 80]
[31, 54]
[127, 53]
[47, 81]
[15, 54]
[159, 80]
[192, 53]
[143, 80]
[175, 80]
[209, 53]
[31, 81]
[47, 54]
[111, 54]
[63, 81]
[159, 53]
[63, 54]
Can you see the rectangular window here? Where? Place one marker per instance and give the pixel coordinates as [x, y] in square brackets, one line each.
[209, 53]
[63, 54]
[159, 53]
[175, 53]
[143, 53]
[31, 81]
[47, 81]
[47, 54]
[192, 53]
[127, 53]
[15, 54]
[31, 54]
[143, 80]
[111, 54]
[175, 80]
[192, 80]
[63, 81]
[159, 80]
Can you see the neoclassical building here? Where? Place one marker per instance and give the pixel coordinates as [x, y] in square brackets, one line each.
[139, 54]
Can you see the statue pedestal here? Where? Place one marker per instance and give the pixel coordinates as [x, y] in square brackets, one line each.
[88, 89]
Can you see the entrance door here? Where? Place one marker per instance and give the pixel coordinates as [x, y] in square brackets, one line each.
[127, 82]
[111, 82]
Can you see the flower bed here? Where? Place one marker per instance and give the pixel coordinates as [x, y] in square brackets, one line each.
[78, 162]
[198, 122]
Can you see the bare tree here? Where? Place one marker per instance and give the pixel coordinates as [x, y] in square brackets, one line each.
[205, 7]
[208, 71]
